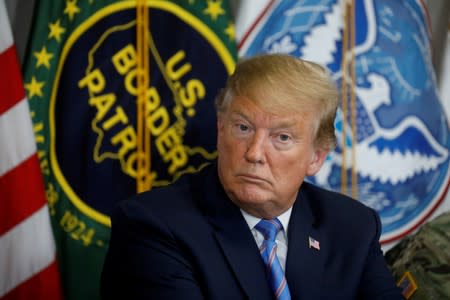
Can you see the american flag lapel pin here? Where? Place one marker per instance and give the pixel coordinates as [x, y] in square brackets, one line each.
[314, 243]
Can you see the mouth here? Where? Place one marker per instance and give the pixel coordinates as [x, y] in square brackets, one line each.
[251, 178]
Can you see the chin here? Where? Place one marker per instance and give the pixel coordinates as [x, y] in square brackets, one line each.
[251, 196]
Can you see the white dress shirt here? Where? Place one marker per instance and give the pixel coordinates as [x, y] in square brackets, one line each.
[280, 239]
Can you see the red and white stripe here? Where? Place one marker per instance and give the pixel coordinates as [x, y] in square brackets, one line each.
[28, 268]
[251, 17]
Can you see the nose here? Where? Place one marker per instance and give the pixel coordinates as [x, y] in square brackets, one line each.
[255, 150]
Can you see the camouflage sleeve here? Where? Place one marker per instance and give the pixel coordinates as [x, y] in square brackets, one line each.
[421, 262]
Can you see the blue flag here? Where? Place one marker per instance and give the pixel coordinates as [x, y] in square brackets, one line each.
[399, 149]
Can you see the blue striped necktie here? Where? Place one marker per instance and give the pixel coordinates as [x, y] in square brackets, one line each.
[268, 249]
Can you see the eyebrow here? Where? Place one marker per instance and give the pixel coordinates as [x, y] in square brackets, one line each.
[239, 114]
[282, 124]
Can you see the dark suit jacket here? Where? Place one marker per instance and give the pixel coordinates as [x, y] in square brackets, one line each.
[189, 241]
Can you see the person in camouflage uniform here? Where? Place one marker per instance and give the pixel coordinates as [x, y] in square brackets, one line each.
[421, 262]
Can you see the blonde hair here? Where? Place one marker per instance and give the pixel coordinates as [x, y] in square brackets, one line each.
[283, 83]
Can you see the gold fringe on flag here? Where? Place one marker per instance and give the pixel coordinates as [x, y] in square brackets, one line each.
[344, 100]
[348, 67]
[143, 160]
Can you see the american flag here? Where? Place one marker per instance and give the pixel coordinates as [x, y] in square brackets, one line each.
[28, 265]
[314, 243]
[408, 285]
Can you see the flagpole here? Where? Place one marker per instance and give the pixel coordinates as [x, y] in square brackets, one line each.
[353, 99]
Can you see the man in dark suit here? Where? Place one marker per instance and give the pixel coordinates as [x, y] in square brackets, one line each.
[247, 226]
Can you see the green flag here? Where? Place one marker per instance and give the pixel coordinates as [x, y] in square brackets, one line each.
[80, 77]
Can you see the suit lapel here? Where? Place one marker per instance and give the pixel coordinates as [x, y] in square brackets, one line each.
[245, 261]
[235, 239]
[304, 265]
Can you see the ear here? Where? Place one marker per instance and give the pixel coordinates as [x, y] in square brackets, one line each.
[220, 124]
[317, 161]
[220, 130]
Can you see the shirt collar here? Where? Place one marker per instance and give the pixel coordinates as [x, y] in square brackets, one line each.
[252, 220]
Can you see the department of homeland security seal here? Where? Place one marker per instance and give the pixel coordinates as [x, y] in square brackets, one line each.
[402, 137]
[93, 103]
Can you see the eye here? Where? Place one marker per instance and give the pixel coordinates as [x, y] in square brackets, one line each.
[241, 130]
[284, 137]
[283, 141]
[243, 127]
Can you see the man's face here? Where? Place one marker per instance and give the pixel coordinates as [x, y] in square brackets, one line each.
[264, 157]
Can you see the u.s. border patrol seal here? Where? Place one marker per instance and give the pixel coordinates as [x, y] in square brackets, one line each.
[93, 103]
